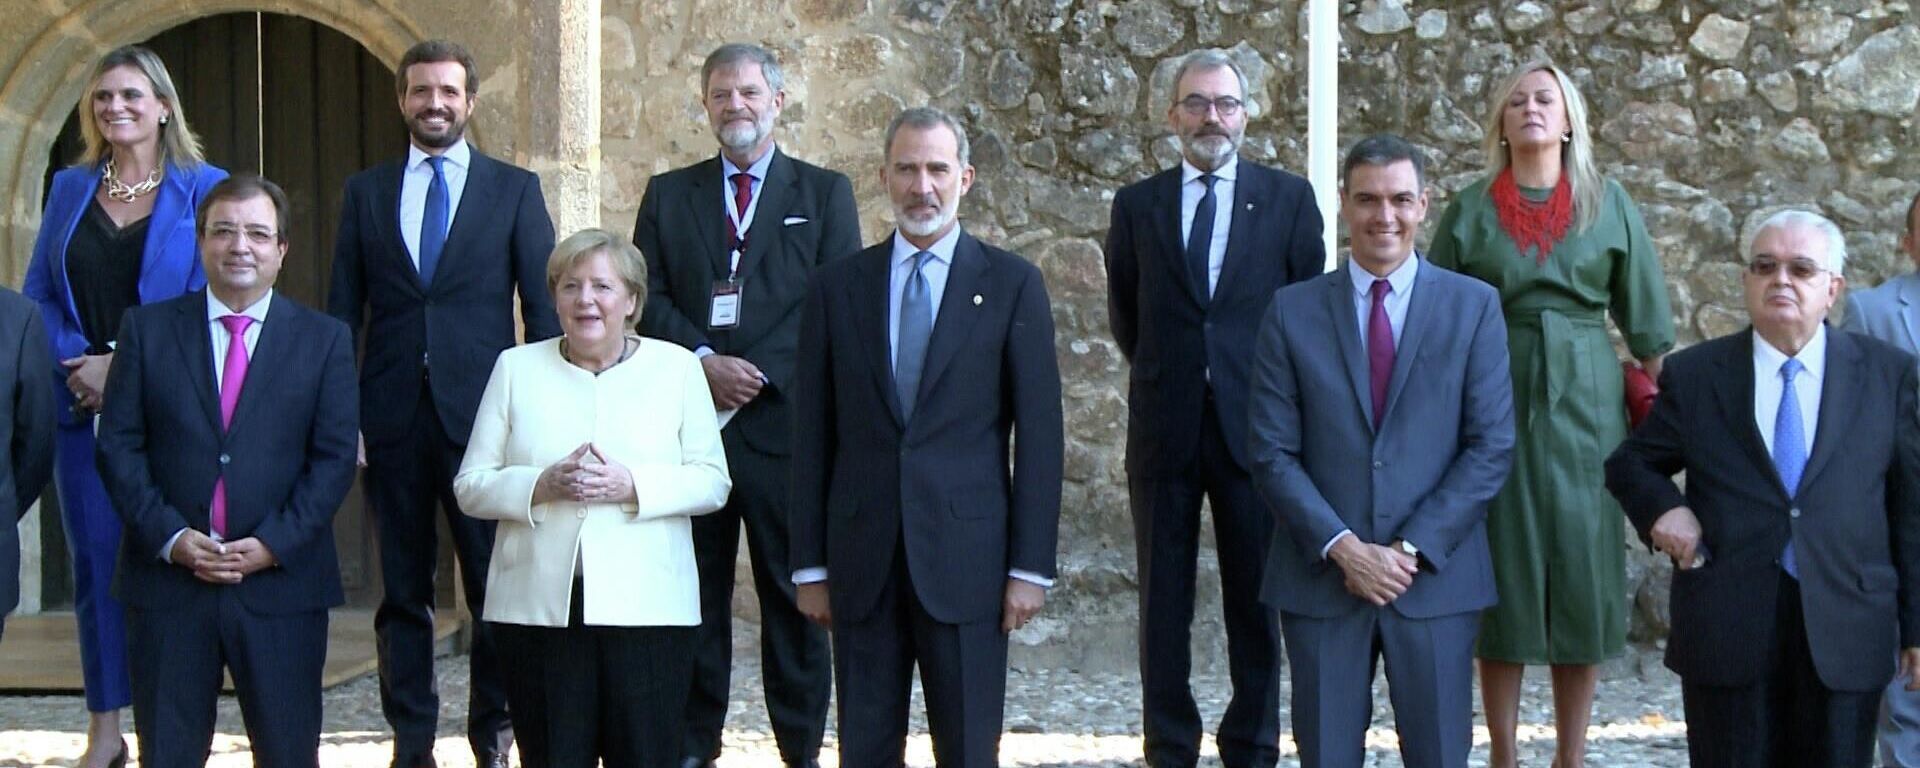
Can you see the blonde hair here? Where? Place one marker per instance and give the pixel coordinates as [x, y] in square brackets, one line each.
[1576, 156]
[625, 258]
[178, 145]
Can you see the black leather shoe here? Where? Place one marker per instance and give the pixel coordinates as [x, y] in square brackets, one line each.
[419, 760]
[808, 763]
[696, 762]
[492, 760]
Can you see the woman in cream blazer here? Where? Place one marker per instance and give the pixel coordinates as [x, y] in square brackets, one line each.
[593, 451]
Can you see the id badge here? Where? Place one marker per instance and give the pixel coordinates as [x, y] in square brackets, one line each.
[725, 312]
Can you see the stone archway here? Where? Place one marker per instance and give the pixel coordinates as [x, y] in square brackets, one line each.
[44, 82]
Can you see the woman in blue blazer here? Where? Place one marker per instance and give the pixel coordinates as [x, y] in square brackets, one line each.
[118, 231]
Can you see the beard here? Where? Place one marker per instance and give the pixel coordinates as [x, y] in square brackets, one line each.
[422, 135]
[923, 227]
[1209, 151]
[740, 138]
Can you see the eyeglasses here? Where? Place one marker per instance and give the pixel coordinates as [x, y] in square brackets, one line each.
[227, 232]
[1197, 105]
[1799, 269]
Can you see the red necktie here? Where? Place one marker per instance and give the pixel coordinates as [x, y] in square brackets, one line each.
[742, 194]
[232, 377]
[1379, 349]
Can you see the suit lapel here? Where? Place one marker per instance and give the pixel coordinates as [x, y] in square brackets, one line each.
[1839, 399]
[1249, 202]
[1736, 406]
[869, 301]
[476, 206]
[1422, 313]
[170, 209]
[769, 214]
[1166, 216]
[709, 217]
[386, 199]
[1340, 309]
[958, 313]
[196, 341]
[1909, 315]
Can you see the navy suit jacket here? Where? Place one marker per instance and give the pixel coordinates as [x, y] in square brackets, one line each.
[26, 430]
[1854, 521]
[288, 457]
[682, 230]
[501, 239]
[169, 266]
[864, 481]
[1174, 337]
[1443, 449]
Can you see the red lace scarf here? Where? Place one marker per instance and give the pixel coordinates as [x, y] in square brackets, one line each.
[1536, 225]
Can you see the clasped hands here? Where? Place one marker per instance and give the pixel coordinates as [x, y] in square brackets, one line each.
[1677, 535]
[87, 379]
[585, 476]
[217, 562]
[1374, 573]
[734, 381]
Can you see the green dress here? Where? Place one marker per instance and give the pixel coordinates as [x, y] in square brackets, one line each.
[1559, 550]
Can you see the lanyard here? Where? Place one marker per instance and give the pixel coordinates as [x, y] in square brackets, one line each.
[741, 223]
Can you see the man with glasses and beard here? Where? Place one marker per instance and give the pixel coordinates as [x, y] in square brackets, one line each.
[1194, 255]
[731, 243]
[430, 252]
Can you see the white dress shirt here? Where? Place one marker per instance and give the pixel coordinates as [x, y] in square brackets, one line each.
[935, 270]
[1191, 190]
[759, 173]
[1399, 295]
[413, 190]
[1768, 386]
[217, 331]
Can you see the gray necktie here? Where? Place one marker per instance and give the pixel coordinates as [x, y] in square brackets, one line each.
[916, 326]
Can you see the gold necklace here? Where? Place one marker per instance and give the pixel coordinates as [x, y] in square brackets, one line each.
[123, 192]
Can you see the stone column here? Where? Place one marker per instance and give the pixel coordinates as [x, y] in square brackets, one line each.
[559, 88]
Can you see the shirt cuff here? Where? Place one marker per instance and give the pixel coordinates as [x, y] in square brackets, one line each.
[1335, 540]
[702, 352]
[810, 575]
[1031, 578]
[166, 552]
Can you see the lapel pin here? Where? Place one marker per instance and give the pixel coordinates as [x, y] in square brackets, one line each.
[1249, 206]
[977, 299]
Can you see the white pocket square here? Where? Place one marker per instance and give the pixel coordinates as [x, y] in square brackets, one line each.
[792, 220]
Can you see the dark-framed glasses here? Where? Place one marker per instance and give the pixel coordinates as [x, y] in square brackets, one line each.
[1801, 268]
[1197, 105]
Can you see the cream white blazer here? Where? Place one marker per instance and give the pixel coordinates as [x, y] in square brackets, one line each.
[652, 413]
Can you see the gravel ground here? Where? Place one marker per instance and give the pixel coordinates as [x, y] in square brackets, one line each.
[1054, 718]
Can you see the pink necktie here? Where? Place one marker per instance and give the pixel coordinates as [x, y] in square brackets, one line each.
[233, 376]
[1379, 349]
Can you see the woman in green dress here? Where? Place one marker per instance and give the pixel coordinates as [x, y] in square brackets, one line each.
[1564, 246]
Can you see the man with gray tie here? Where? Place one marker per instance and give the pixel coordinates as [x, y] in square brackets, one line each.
[1890, 312]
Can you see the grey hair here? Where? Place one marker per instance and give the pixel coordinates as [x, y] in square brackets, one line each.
[734, 53]
[1794, 217]
[924, 118]
[1206, 59]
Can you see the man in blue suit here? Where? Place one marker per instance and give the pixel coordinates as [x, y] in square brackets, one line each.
[431, 251]
[1382, 424]
[1193, 255]
[26, 431]
[227, 444]
[1890, 312]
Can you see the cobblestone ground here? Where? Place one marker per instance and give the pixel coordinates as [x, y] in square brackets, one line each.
[1054, 718]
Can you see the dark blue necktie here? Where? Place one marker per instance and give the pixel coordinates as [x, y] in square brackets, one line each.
[916, 327]
[1789, 449]
[433, 221]
[1200, 238]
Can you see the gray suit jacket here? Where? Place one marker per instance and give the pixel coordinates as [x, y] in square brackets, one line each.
[1889, 312]
[26, 429]
[1442, 451]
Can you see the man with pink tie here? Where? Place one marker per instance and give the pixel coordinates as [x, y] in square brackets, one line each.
[227, 444]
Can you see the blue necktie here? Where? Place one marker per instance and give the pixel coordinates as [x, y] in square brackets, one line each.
[916, 326]
[1200, 238]
[1789, 449]
[433, 221]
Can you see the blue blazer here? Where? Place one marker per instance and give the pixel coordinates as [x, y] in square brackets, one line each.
[288, 456]
[1442, 451]
[170, 265]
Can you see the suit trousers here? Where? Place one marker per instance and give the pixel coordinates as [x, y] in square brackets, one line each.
[795, 666]
[1166, 526]
[1429, 678]
[583, 694]
[93, 541]
[405, 481]
[963, 676]
[276, 661]
[1789, 719]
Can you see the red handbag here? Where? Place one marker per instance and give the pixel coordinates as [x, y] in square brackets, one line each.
[1641, 391]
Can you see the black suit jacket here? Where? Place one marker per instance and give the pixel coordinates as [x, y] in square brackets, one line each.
[1854, 522]
[501, 238]
[26, 429]
[288, 456]
[863, 480]
[1174, 337]
[806, 217]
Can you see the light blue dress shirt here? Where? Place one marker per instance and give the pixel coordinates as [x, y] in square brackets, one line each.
[413, 190]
